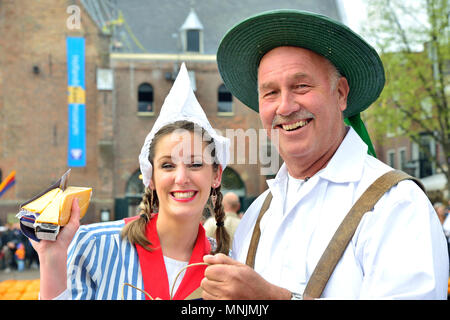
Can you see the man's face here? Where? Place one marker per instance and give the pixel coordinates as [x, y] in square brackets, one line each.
[302, 98]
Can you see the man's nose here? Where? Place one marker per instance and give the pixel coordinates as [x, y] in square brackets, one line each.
[287, 103]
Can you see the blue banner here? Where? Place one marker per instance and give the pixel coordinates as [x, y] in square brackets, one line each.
[76, 91]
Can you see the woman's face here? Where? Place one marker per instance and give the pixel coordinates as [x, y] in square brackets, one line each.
[183, 174]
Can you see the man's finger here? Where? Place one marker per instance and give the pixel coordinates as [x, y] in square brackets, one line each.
[209, 287]
[220, 258]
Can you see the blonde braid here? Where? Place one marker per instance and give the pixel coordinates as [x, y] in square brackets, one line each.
[135, 230]
[222, 236]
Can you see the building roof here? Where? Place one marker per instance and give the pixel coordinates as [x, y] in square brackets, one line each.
[153, 26]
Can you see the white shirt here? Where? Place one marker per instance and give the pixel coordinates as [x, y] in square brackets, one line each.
[173, 267]
[398, 250]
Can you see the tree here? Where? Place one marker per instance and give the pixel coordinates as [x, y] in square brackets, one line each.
[413, 40]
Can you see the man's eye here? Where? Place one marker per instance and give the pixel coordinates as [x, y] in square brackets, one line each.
[270, 93]
[301, 86]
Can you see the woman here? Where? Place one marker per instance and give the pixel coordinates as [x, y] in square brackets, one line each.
[146, 252]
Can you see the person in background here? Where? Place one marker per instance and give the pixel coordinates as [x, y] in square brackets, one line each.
[10, 239]
[231, 206]
[20, 256]
[441, 211]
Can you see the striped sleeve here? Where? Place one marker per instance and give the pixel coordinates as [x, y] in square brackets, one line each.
[94, 263]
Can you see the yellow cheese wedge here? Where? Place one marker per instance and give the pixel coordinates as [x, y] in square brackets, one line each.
[58, 211]
[43, 201]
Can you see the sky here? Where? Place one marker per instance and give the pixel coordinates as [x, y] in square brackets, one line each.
[355, 12]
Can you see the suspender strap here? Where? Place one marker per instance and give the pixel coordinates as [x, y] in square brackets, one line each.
[343, 234]
[257, 233]
[347, 228]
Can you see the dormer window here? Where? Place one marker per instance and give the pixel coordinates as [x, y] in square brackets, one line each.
[192, 34]
[193, 40]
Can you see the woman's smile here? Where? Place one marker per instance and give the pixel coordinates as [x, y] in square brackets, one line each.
[183, 195]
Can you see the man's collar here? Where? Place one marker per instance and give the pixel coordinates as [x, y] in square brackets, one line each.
[346, 165]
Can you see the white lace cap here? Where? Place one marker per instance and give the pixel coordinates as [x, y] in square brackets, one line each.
[181, 104]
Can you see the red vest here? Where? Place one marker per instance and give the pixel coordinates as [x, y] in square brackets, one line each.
[156, 282]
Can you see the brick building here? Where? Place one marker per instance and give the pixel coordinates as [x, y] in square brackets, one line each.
[33, 101]
[133, 51]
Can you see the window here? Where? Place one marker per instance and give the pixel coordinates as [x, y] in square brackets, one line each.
[193, 40]
[145, 98]
[427, 152]
[391, 158]
[225, 100]
[402, 158]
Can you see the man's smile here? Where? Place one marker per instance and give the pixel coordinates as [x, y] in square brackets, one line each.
[293, 125]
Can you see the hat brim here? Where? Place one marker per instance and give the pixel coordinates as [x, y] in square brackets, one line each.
[242, 48]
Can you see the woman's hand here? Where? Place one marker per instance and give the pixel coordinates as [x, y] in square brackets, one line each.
[53, 257]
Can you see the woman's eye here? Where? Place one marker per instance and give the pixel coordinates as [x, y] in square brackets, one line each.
[197, 164]
[167, 166]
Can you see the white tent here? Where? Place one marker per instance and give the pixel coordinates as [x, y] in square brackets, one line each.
[435, 182]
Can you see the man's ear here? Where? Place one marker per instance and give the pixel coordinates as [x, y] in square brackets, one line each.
[342, 89]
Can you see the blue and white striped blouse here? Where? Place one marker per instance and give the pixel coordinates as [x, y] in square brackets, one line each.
[100, 262]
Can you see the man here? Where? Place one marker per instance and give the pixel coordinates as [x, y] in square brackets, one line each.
[231, 206]
[304, 73]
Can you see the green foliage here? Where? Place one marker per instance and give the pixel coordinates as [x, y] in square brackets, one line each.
[412, 38]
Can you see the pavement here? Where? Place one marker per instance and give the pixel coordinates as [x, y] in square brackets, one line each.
[28, 274]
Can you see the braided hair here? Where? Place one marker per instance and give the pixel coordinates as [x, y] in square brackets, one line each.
[222, 235]
[135, 230]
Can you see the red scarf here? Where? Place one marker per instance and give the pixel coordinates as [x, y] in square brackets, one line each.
[153, 268]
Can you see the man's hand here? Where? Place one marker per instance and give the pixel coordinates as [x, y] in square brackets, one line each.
[227, 279]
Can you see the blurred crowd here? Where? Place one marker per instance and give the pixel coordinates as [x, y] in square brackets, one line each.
[443, 211]
[16, 253]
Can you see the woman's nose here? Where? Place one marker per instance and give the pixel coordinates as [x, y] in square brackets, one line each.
[181, 175]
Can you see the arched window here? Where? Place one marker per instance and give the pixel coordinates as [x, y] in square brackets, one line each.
[225, 100]
[231, 181]
[145, 98]
[133, 194]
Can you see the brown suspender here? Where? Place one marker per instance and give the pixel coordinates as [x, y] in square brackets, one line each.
[257, 233]
[343, 234]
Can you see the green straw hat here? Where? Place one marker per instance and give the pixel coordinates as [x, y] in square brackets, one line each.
[242, 48]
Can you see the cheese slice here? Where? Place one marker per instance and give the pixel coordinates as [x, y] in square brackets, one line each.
[43, 201]
[58, 211]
